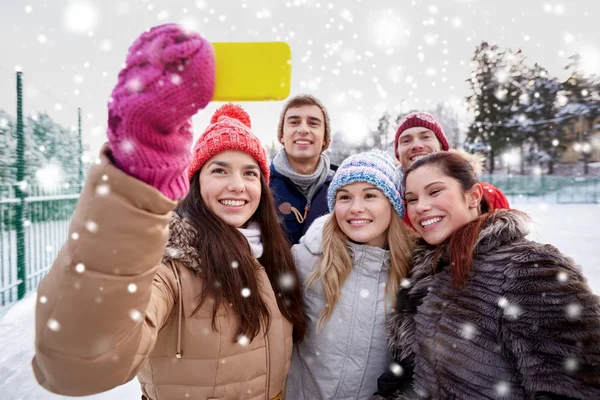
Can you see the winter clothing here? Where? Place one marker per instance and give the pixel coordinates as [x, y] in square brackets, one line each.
[345, 357]
[525, 326]
[496, 199]
[229, 129]
[423, 120]
[374, 167]
[327, 136]
[254, 238]
[128, 313]
[296, 210]
[307, 184]
[494, 196]
[169, 75]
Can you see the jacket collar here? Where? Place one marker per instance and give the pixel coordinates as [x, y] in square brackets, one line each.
[180, 244]
[501, 227]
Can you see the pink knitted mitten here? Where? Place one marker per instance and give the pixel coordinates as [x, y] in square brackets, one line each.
[169, 75]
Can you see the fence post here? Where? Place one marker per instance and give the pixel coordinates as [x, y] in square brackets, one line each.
[20, 192]
[79, 148]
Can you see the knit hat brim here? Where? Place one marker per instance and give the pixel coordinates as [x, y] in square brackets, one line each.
[354, 174]
[229, 130]
[422, 120]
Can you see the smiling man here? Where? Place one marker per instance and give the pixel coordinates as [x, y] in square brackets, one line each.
[419, 134]
[300, 172]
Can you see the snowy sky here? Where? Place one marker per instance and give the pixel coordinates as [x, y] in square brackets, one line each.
[360, 57]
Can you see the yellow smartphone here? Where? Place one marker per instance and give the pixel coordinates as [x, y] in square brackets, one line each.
[252, 71]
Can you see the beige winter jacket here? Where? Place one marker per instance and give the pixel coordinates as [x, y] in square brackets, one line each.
[112, 307]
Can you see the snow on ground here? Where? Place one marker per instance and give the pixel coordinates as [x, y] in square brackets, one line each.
[571, 228]
[16, 376]
[574, 229]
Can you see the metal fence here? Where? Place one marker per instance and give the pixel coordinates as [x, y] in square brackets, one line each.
[547, 189]
[34, 223]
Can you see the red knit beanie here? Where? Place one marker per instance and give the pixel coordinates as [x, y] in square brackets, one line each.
[229, 129]
[422, 120]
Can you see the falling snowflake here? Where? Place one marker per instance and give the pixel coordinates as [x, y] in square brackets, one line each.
[80, 268]
[396, 369]
[173, 252]
[135, 315]
[53, 325]
[287, 281]
[502, 388]
[346, 15]
[102, 190]
[132, 288]
[574, 311]
[243, 340]
[106, 45]
[266, 13]
[430, 72]
[176, 79]
[75, 236]
[235, 264]
[364, 293]
[469, 331]
[245, 292]
[80, 16]
[571, 364]
[91, 226]
[501, 94]
[135, 85]
[512, 311]
[43, 299]
[562, 276]
[559, 9]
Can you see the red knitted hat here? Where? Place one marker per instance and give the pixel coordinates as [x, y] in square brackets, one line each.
[229, 129]
[423, 120]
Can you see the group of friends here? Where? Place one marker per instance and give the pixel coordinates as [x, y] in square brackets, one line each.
[211, 274]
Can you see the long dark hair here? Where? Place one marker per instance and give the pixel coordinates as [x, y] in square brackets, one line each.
[220, 246]
[462, 241]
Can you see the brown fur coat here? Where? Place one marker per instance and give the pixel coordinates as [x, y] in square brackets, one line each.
[525, 326]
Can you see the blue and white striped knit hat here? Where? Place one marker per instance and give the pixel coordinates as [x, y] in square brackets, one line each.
[374, 167]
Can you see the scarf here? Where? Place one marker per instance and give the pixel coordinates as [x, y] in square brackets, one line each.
[252, 234]
[307, 184]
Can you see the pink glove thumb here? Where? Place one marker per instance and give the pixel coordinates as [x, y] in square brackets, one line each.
[169, 75]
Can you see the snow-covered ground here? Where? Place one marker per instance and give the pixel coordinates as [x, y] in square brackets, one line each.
[572, 228]
[42, 242]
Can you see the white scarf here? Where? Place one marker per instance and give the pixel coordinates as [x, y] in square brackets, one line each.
[252, 234]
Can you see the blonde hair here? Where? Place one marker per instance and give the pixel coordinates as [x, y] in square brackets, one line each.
[336, 262]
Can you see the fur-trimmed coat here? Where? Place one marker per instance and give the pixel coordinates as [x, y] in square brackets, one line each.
[525, 326]
[130, 313]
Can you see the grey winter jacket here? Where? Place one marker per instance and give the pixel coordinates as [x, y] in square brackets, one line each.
[525, 326]
[344, 359]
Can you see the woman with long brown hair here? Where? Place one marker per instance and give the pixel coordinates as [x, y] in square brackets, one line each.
[199, 303]
[486, 313]
[352, 263]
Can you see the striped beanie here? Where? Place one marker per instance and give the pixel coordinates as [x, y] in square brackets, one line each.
[374, 167]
